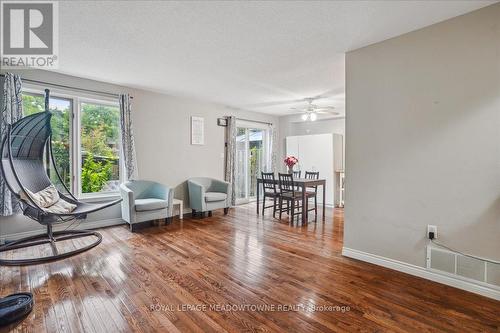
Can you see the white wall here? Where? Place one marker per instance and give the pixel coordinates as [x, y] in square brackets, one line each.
[164, 152]
[162, 134]
[423, 140]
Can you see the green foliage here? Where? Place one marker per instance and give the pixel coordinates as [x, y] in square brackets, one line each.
[95, 174]
[95, 142]
[104, 118]
[60, 150]
[32, 104]
[255, 165]
[99, 138]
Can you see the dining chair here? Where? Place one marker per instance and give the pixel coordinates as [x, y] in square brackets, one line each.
[313, 190]
[292, 197]
[269, 191]
[297, 174]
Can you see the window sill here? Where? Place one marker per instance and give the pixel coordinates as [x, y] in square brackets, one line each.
[100, 197]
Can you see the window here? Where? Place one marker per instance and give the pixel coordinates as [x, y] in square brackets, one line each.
[85, 141]
[100, 147]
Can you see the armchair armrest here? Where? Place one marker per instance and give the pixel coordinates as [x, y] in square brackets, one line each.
[170, 199]
[128, 203]
[196, 195]
[224, 187]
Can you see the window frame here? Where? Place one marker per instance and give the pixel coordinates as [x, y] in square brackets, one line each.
[75, 153]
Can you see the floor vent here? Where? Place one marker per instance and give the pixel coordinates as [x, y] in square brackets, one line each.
[470, 269]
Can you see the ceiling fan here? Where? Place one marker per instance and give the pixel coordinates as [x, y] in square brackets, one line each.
[311, 111]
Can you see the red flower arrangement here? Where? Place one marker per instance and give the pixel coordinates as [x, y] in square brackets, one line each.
[290, 161]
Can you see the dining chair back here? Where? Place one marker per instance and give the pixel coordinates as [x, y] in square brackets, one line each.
[269, 191]
[269, 182]
[286, 183]
[314, 175]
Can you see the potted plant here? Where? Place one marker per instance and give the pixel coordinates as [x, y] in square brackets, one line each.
[290, 161]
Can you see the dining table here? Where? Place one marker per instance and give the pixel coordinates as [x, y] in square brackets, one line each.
[302, 185]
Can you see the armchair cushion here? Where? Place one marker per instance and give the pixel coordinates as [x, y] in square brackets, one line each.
[215, 196]
[142, 205]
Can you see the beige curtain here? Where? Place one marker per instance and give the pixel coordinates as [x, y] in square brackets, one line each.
[272, 149]
[128, 144]
[230, 167]
[12, 111]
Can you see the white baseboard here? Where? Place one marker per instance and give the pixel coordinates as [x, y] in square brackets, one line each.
[422, 272]
[82, 225]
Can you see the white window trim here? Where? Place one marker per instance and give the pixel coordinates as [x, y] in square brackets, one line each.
[75, 138]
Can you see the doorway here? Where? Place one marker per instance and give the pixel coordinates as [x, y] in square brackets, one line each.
[251, 143]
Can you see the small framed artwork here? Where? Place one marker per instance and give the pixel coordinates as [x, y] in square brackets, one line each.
[222, 122]
[197, 131]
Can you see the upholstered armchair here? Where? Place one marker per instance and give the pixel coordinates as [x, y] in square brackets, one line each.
[207, 194]
[145, 201]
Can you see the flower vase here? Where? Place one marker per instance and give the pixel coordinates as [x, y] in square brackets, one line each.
[290, 170]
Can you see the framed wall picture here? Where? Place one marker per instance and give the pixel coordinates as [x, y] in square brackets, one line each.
[197, 131]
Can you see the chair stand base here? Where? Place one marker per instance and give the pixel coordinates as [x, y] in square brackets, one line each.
[49, 238]
[15, 307]
[202, 215]
[134, 227]
[147, 224]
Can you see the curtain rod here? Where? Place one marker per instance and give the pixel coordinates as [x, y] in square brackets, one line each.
[254, 121]
[70, 87]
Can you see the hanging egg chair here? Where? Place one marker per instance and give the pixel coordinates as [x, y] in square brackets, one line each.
[26, 152]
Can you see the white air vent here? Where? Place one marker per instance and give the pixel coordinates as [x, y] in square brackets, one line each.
[470, 269]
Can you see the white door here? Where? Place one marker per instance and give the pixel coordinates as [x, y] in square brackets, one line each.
[250, 160]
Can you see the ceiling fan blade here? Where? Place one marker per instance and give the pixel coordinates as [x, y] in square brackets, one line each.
[336, 93]
[328, 107]
[329, 112]
[331, 93]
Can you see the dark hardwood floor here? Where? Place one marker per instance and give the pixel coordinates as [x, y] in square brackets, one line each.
[192, 276]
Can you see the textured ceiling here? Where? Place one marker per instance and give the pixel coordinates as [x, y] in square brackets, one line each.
[250, 55]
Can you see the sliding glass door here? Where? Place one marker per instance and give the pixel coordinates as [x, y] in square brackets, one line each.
[250, 160]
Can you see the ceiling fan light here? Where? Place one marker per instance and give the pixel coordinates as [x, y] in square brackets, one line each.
[313, 116]
[305, 116]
